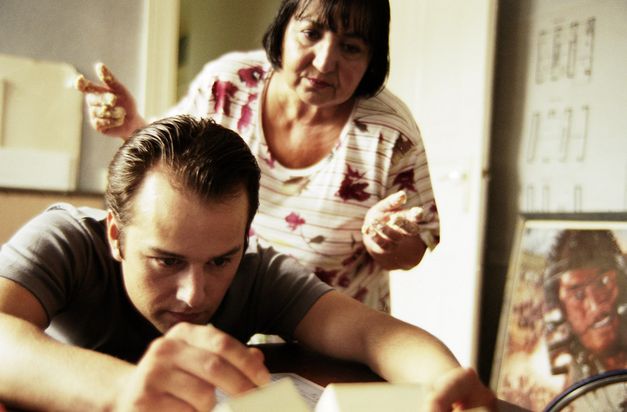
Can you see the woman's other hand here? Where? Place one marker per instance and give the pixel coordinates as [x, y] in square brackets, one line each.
[391, 234]
[110, 106]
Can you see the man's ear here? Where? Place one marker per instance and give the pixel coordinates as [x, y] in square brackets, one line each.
[113, 236]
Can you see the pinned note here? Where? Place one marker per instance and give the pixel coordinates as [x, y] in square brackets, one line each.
[40, 124]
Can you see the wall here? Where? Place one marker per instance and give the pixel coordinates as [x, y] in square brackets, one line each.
[79, 33]
[18, 207]
[211, 28]
[555, 170]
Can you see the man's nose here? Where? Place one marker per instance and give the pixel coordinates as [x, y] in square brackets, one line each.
[327, 55]
[596, 299]
[191, 287]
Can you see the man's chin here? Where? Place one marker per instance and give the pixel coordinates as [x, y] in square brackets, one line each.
[599, 341]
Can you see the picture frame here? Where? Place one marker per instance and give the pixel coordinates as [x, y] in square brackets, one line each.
[542, 348]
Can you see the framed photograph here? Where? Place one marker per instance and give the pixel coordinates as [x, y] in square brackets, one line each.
[564, 313]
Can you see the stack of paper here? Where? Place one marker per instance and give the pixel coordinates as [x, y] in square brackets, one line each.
[293, 393]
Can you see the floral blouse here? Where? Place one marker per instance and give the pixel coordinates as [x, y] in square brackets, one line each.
[315, 214]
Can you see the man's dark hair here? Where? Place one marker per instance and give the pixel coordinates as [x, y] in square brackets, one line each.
[580, 249]
[370, 19]
[200, 156]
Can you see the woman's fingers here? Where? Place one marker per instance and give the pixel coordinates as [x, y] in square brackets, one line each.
[87, 86]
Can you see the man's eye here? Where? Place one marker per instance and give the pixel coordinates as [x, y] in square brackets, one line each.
[168, 261]
[220, 262]
[605, 279]
[579, 294]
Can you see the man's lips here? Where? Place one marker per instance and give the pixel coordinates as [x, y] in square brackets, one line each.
[605, 321]
[190, 317]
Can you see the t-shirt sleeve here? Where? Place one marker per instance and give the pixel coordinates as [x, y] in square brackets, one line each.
[47, 256]
[273, 293]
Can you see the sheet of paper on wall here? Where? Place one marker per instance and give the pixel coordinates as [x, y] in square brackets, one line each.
[40, 124]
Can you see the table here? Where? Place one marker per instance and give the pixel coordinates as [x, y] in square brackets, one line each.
[318, 368]
[323, 370]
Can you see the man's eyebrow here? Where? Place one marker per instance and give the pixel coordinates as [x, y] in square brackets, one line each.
[163, 252]
[230, 252]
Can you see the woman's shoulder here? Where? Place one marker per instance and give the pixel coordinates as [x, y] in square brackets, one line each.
[236, 61]
[386, 111]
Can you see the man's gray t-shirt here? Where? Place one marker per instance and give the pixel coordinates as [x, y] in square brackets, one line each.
[62, 257]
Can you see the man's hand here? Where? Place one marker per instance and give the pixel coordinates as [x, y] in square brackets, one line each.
[458, 390]
[181, 370]
[110, 106]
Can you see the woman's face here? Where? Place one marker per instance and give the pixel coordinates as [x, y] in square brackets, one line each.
[323, 67]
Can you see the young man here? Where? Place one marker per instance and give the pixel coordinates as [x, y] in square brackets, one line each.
[155, 295]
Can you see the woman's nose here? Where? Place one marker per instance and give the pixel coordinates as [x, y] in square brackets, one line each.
[191, 287]
[327, 55]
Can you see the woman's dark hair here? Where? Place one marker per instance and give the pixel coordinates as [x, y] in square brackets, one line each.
[369, 19]
[200, 156]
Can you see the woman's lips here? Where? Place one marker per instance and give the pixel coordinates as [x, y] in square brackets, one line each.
[318, 83]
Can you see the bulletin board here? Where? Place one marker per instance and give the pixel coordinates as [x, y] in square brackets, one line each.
[574, 132]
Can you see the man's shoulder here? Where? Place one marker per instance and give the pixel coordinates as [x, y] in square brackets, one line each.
[77, 212]
[63, 222]
[259, 254]
[65, 214]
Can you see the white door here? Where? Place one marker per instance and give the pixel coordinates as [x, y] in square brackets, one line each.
[441, 66]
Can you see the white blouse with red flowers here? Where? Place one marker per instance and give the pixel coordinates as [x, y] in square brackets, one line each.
[315, 214]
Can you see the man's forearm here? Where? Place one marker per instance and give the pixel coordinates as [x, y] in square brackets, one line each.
[339, 326]
[400, 352]
[40, 373]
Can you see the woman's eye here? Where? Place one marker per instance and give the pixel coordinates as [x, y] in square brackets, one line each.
[311, 34]
[352, 48]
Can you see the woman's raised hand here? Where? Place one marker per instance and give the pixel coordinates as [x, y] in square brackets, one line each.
[110, 106]
[388, 222]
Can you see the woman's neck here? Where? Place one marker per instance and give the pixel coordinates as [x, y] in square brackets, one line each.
[299, 135]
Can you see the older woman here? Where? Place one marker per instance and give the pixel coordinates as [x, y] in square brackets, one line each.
[345, 182]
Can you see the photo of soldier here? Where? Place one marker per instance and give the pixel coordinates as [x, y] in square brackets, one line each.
[585, 304]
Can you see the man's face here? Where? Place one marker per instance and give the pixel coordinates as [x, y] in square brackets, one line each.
[589, 296]
[179, 253]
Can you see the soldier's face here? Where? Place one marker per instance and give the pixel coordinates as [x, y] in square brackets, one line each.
[589, 297]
